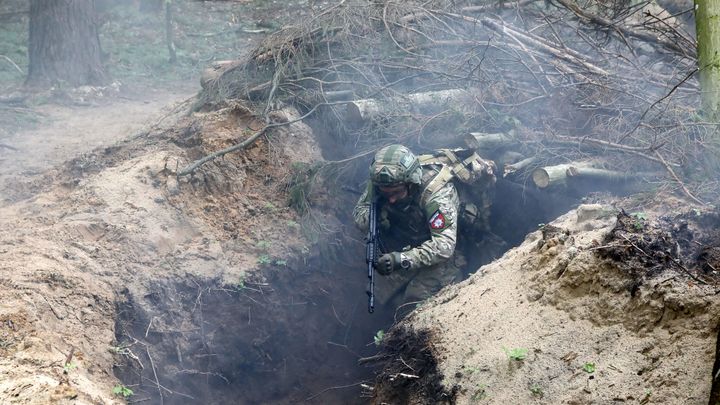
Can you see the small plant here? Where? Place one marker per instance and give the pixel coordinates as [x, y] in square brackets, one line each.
[471, 369]
[589, 368]
[639, 223]
[270, 207]
[263, 245]
[517, 354]
[280, 262]
[121, 350]
[379, 336]
[479, 393]
[263, 260]
[68, 367]
[123, 391]
[536, 390]
[646, 398]
[241, 283]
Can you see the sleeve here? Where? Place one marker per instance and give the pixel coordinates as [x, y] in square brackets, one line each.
[441, 214]
[361, 212]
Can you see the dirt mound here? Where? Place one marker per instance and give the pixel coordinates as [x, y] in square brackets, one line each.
[117, 220]
[579, 314]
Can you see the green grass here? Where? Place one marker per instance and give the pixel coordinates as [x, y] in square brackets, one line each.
[516, 354]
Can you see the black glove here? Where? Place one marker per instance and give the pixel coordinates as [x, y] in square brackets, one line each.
[390, 262]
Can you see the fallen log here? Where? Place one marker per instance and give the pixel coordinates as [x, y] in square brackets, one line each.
[480, 140]
[547, 176]
[607, 175]
[363, 110]
[551, 175]
[510, 169]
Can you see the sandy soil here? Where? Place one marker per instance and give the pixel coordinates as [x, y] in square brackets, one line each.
[114, 222]
[592, 332]
[66, 131]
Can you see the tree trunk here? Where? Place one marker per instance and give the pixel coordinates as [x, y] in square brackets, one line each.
[64, 45]
[707, 15]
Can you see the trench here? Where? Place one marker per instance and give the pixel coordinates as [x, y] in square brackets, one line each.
[289, 334]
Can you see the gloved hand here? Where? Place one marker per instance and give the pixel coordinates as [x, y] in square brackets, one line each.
[390, 262]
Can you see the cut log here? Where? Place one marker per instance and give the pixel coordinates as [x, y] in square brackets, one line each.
[550, 175]
[604, 174]
[480, 140]
[359, 111]
[510, 169]
[339, 95]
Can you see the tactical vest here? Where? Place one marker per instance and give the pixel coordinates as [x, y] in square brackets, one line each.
[474, 179]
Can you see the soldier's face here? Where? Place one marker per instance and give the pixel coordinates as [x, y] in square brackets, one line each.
[395, 193]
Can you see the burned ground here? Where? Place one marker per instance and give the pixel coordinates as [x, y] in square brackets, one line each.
[410, 374]
[686, 243]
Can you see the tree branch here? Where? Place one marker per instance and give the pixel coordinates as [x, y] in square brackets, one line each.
[13, 63]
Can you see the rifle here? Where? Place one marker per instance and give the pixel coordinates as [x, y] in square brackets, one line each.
[371, 252]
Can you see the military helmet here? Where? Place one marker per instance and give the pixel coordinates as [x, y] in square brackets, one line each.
[394, 165]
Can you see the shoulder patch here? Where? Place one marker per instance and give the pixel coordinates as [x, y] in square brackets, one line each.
[437, 220]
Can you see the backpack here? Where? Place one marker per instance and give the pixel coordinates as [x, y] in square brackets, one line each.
[474, 179]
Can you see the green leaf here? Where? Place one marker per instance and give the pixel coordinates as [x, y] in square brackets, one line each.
[264, 259]
[517, 354]
[123, 391]
[379, 336]
[589, 368]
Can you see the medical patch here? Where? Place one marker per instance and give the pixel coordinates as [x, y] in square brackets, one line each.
[437, 220]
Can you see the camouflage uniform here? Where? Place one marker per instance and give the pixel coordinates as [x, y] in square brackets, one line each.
[424, 229]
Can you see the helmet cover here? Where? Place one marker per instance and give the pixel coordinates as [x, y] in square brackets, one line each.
[394, 165]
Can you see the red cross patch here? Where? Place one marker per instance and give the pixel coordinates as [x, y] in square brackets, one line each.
[437, 220]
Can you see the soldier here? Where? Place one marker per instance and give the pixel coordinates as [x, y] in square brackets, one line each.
[418, 219]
